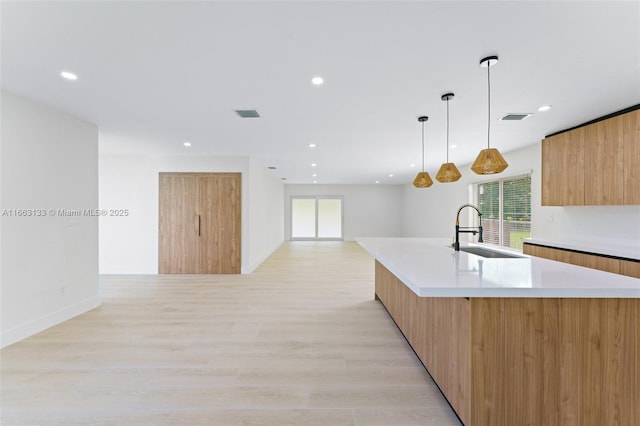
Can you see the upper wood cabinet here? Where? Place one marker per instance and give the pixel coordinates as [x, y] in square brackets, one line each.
[631, 141]
[604, 164]
[596, 164]
[563, 169]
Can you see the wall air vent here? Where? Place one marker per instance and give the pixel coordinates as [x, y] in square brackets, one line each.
[247, 113]
[515, 117]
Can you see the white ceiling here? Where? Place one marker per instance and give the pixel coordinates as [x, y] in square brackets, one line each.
[155, 74]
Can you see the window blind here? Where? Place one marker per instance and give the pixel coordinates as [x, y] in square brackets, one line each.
[506, 210]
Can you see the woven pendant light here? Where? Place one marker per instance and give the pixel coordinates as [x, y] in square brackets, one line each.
[422, 180]
[489, 161]
[448, 171]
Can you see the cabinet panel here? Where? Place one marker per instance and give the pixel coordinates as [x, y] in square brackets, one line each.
[594, 261]
[220, 211]
[631, 140]
[630, 268]
[199, 223]
[544, 252]
[604, 162]
[179, 225]
[438, 330]
[563, 172]
[596, 164]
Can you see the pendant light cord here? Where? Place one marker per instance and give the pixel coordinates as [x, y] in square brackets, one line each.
[488, 103]
[423, 146]
[447, 130]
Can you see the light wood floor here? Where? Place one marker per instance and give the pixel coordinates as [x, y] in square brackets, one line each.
[298, 342]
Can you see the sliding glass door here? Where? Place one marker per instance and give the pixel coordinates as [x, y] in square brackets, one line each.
[316, 218]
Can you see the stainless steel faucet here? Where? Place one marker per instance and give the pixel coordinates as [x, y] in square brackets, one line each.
[467, 229]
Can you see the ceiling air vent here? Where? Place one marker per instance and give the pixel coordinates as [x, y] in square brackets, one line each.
[271, 167]
[247, 113]
[515, 117]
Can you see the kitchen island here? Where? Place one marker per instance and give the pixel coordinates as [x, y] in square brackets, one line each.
[514, 341]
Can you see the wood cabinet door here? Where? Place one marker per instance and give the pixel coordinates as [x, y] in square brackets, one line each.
[178, 224]
[199, 223]
[631, 141]
[220, 224]
[563, 174]
[604, 162]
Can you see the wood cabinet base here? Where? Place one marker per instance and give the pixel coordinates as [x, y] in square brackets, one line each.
[595, 261]
[534, 361]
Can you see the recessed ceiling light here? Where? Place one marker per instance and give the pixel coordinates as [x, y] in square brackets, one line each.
[413, 165]
[377, 181]
[69, 75]
[391, 175]
[317, 81]
[315, 181]
[453, 146]
[313, 164]
[314, 175]
[312, 145]
[544, 108]
[187, 144]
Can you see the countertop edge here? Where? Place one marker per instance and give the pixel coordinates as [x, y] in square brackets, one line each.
[625, 253]
[502, 292]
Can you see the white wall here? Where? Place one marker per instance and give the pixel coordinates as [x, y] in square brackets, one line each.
[431, 212]
[619, 225]
[129, 245]
[594, 225]
[266, 214]
[369, 210]
[49, 270]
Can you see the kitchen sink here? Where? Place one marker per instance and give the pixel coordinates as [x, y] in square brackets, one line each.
[481, 251]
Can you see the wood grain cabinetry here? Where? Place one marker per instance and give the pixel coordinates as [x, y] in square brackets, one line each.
[631, 141]
[563, 152]
[601, 263]
[604, 154]
[630, 268]
[544, 252]
[596, 164]
[199, 223]
[438, 331]
[525, 361]
[594, 261]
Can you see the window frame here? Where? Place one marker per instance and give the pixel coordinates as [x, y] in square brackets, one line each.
[317, 198]
[474, 199]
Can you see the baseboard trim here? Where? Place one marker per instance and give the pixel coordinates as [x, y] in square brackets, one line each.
[37, 325]
[253, 266]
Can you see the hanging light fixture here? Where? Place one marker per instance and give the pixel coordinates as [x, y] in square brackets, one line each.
[448, 171]
[489, 161]
[422, 180]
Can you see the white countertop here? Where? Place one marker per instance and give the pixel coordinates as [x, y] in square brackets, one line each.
[626, 252]
[431, 268]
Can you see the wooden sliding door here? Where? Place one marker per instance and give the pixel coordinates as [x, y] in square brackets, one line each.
[199, 223]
